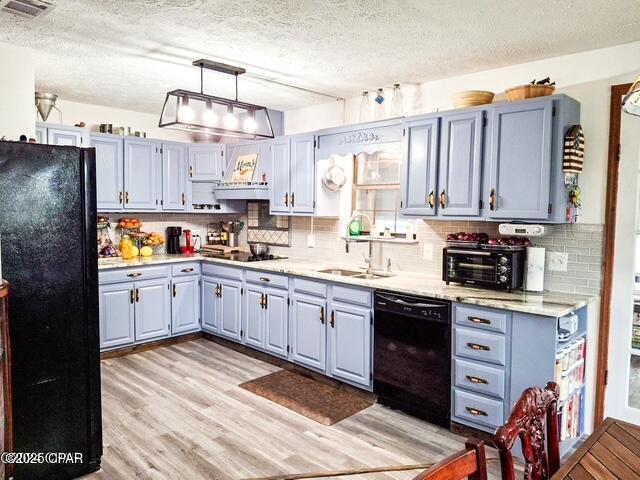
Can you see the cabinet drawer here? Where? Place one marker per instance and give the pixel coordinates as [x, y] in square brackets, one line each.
[301, 285]
[488, 347]
[270, 279]
[132, 274]
[485, 318]
[185, 269]
[351, 295]
[477, 409]
[221, 271]
[480, 378]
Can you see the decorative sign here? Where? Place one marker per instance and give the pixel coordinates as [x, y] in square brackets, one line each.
[245, 168]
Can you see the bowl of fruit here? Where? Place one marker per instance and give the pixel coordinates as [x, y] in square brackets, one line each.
[155, 241]
[129, 223]
[463, 239]
[507, 243]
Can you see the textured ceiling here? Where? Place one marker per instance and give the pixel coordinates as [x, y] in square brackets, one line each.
[129, 53]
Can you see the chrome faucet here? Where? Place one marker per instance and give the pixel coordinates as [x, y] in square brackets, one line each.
[369, 259]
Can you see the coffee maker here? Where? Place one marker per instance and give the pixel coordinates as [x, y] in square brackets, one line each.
[173, 239]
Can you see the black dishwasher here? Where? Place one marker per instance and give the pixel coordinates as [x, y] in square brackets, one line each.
[412, 355]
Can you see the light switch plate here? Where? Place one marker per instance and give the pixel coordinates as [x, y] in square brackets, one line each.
[427, 251]
[557, 261]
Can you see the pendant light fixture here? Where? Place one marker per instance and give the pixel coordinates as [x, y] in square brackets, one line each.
[199, 112]
[631, 101]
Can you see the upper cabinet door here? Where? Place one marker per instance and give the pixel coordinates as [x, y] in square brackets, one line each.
[109, 173]
[185, 305]
[520, 160]
[280, 179]
[140, 175]
[350, 340]
[41, 134]
[153, 309]
[420, 159]
[308, 331]
[277, 316]
[67, 137]
[174, 177]
[302, 191]
[210, 310]
[230, 309]
[206, 163]
[460, 171]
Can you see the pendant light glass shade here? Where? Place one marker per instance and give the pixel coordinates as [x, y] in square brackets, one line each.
[198, 112]
[631, 101]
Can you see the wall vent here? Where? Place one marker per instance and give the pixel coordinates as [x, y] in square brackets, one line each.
[26, 8]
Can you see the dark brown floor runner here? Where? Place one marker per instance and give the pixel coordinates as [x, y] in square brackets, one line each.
[323, 403]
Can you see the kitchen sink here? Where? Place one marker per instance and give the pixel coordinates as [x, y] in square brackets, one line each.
[372, 276]
[341, 272]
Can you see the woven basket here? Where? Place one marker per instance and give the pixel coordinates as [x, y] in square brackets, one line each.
[522, 92]
[471, 98]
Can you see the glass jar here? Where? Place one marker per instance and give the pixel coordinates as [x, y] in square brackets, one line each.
[396, 101]
[365, 108]
[126, 247]
[379, 106]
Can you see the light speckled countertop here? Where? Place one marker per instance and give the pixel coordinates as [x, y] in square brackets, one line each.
[547, 304]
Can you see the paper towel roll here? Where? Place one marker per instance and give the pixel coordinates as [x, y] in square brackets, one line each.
[534, 279]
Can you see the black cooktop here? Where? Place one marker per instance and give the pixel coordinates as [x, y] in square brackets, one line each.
[243, 257]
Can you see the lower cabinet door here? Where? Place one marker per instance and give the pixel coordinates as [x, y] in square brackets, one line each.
[185, 305]
[277, 320]
[210, 312]
[308, 331]
[230, 301]
[116, 315]
[254, 316]
[350, 343]
[153, 309]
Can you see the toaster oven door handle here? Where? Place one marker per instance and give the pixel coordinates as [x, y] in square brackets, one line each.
[478, 253]
[476, 266]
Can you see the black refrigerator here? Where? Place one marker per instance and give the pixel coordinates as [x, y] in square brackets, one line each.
[49, 257]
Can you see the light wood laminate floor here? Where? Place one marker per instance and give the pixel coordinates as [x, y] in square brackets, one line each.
[177, 413]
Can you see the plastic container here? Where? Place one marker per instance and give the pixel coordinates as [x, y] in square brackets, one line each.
[126, 247]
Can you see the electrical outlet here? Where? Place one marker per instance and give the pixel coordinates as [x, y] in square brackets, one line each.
[427, 251]
[557, 261]
[311, 241]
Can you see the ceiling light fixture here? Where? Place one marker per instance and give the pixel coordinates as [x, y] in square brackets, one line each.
[199, 112]
[631, 101]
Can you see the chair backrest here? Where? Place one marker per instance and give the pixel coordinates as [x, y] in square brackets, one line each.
[470, 463]
[527, 421]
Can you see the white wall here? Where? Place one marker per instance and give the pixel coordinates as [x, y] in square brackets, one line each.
[17, 105]
[94, 115]
[585, 76]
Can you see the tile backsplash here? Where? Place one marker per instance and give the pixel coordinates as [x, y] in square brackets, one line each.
[581, 242]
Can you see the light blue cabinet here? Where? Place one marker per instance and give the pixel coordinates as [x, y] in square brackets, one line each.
[109, 173]
[276, 321]
[230, 309]
[519, 163]
[302, 174]
[41, 134]
[208, 295]
[152, 309]
[460, 164]
[280, 179]
[293, 181]
[174, 177]
[308, 331]
[350, 342]
[185, 304]
[206, 163]
[67, 137]
[420, 167]
[141, 167]
[116, 304]
[254, 316]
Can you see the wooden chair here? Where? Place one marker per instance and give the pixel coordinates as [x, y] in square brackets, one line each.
[471, 463]
[526, 422]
